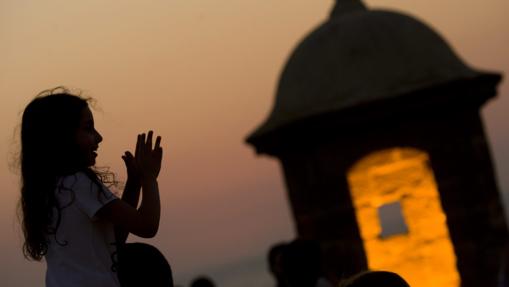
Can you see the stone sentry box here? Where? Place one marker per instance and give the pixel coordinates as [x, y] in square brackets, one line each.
[369, 81]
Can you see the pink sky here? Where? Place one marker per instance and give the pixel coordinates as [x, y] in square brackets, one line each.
[202, 74]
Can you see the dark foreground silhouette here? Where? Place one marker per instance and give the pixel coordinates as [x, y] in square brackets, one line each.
[298, 264]
[202, 281]
[141, 264]
[375, 278]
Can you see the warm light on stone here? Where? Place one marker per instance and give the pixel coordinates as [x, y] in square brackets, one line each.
[423, 254]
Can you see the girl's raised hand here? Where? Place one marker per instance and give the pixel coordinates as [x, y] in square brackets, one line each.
[130, 164]
[148, 158]
[133, 172]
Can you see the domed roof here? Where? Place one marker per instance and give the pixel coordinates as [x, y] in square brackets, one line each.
[358, 57]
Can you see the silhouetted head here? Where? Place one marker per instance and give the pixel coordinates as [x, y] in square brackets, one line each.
[375, 279]
[275, 260]
[58, 133]
[301, 263]
[202, 281]
[143, 265]
[57, 138]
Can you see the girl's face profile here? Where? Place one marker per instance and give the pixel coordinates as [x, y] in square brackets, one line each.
[87, 138]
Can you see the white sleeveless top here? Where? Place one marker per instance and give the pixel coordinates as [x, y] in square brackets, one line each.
[80, 253]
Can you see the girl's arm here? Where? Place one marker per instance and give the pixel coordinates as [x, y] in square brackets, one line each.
[144, 221]
[131, 196]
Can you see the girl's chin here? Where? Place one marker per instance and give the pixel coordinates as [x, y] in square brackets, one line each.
[92, 159]
[91, 162]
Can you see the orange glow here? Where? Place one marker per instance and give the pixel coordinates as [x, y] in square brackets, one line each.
[424, 254]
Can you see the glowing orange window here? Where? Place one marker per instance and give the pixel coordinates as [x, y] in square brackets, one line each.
[400, 180]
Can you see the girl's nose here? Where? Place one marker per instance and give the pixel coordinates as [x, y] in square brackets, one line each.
[99, 137]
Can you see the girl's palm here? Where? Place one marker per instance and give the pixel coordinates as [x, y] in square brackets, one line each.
[148, 158]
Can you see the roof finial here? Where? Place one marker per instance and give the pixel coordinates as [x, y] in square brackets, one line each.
[346, 6]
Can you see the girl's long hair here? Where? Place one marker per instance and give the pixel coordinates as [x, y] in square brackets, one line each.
[48, 151]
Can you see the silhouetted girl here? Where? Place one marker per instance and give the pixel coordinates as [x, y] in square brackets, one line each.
[68, 213]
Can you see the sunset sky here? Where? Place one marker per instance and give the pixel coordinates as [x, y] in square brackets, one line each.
[202, 74]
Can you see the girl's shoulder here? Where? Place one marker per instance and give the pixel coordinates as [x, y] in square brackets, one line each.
[89, 193]
[74, 179]
[82, 180]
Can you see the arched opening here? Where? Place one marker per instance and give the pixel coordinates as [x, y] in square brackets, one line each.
[400, 217]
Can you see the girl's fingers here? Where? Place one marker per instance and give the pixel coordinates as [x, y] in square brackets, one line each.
[126, 161]
[128, 158]
[158, 142]
[138, 145]
[160, 154]
[148, 146]
[145, 149]
[142, 143]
